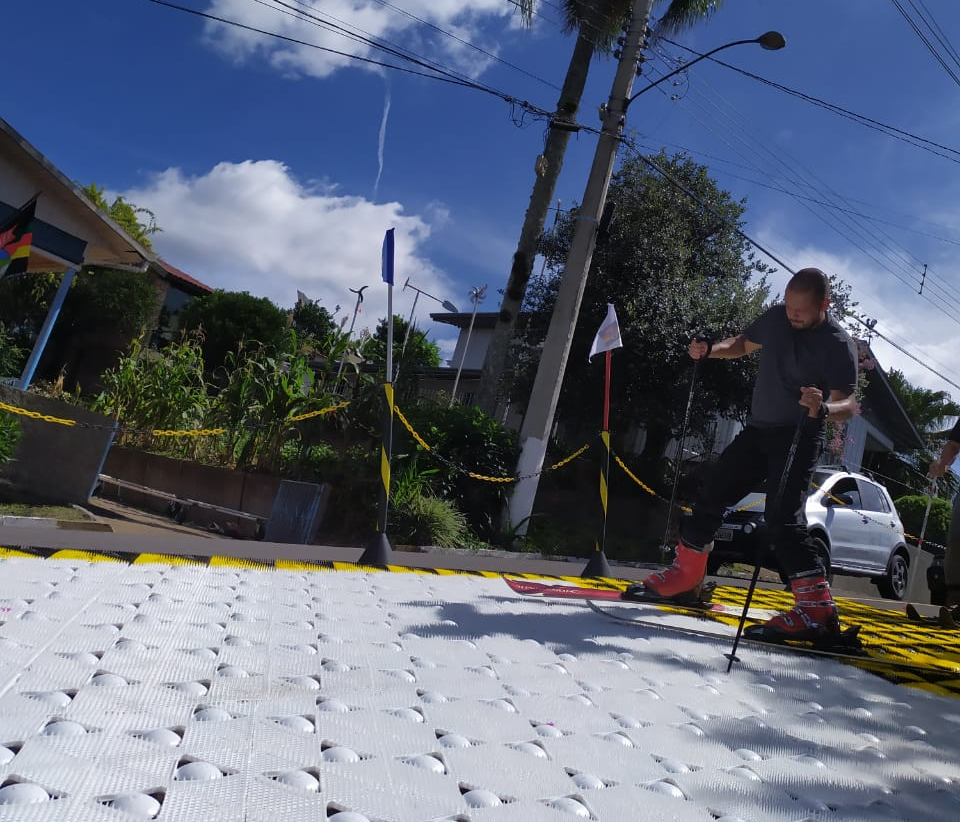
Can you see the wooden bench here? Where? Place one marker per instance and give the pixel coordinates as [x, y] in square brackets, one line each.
[180, 508]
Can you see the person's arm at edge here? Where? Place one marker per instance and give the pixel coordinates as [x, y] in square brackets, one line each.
[951, 449]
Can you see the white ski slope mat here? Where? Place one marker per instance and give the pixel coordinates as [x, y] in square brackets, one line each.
[205, 692]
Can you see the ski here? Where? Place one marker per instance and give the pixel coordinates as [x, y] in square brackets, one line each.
[861, 656]
[705, 607]
[945, 618]
[915, 616]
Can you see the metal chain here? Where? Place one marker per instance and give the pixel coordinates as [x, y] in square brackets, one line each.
[473, 474]
[160, 432]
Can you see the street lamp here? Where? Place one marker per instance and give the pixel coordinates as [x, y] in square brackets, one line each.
[771, 41]
[449, 306]
[538, 420]
[477, 295]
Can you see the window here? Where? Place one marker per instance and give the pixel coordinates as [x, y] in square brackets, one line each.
[846, 487]
[872, 498]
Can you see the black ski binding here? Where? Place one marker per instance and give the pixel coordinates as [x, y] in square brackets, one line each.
[845, 642]
[702, 595]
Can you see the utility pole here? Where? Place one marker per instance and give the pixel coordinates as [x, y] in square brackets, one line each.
[538, 420]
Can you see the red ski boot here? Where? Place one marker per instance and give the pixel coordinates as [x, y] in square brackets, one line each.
[814, 617]
[680, 583]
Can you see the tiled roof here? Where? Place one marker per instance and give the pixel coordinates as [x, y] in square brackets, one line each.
[183, 277]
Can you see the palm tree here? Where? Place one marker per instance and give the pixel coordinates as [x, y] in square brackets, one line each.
[931, 412]
[597, 24]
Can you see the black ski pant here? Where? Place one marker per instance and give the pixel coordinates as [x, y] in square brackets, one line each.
[758, 454]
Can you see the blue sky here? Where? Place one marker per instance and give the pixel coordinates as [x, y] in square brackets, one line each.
[264, 165]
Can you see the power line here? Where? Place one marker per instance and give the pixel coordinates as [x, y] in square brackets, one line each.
[844, 221]
[926, 41]
[460, 40]
[440, 75]
[946, 152]
[796, 195]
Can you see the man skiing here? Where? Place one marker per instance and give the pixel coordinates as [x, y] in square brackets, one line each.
[951, 557]
[807, 374]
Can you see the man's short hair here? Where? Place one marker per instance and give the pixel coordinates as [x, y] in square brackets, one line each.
[810, 281]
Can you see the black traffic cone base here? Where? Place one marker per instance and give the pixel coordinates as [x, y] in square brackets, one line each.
[597, 566]
[376, 551]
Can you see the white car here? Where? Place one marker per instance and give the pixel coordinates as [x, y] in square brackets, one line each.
[852, 519]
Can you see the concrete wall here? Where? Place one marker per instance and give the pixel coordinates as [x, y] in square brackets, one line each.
[477, 350]
[55, 463]
[241, 491]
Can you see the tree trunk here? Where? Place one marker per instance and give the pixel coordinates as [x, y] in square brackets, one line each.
[654, 447]
[495, 362]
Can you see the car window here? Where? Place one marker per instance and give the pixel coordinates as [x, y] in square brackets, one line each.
[848, 486]
[871, 497]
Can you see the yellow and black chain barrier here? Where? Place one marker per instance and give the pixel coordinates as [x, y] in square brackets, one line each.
[685, 508]
[837, 500]
[212, 432]
[473, 474]
[159, 432]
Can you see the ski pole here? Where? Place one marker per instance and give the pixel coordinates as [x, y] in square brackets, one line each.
[683, 438]
[787, 467]
[931, 491]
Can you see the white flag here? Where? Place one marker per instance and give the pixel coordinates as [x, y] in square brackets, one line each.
[608, 337]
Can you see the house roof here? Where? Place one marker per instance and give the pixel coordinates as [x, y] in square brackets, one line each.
[184, 281]
[69, 229]
[484, 319]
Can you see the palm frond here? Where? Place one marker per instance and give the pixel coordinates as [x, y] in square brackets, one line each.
[682, 14]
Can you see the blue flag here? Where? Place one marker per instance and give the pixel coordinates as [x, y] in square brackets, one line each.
[386, 267]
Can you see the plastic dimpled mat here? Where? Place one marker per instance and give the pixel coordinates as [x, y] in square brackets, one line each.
[219, 691]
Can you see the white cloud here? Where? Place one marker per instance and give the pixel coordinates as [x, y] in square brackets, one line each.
[344, 21]
[909, 320]
[253, 227]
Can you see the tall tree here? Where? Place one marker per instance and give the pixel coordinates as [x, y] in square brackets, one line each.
[597, 24]
[672, 269]
[230, 319]
[931, 412]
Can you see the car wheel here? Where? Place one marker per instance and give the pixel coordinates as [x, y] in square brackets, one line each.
[823, 552]
[894, 584]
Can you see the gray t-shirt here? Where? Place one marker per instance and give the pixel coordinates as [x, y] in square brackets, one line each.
[824, 356]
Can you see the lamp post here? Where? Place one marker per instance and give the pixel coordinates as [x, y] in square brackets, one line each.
[449, 306]
[538, 421]
[771, 41]
[477, 295]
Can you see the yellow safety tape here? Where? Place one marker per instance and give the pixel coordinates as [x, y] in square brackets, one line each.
[34, 415]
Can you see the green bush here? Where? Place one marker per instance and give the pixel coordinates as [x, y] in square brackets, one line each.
[9, 436]
[467, 440]
[911, 510]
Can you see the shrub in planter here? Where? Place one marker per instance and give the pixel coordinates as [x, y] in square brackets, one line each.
[417, 517]
[9, 436]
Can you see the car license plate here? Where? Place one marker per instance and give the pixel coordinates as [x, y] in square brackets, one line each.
[725, 534]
